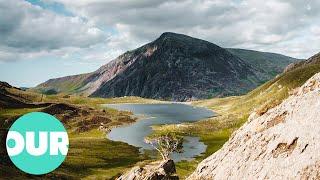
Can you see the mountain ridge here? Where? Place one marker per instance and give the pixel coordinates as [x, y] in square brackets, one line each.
[173, 66]
[172, 48]
[315, 59]
[270, 63]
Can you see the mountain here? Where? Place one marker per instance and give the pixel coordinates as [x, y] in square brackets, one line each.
[269, 64]
[179, 67]
[275, 145]
[173, 67]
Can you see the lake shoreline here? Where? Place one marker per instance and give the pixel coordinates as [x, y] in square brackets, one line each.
[159, 114]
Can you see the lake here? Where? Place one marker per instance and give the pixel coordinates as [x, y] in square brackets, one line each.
[155, 114]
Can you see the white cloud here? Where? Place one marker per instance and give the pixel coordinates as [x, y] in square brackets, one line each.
[275, 25]
[229, 23]
[27, 30]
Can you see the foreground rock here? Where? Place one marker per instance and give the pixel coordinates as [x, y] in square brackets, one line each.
[283, 143]
[155, 171]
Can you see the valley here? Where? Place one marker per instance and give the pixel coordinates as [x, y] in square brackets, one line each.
[90, 120]
[91, 154]
[234, 111]
[159, 90]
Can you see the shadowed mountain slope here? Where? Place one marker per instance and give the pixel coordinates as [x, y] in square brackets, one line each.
[269, 64]
[175, 67]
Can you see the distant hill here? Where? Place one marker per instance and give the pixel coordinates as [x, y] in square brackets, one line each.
[175, 67]
[67, 84]
[270, 64]
[13, 97]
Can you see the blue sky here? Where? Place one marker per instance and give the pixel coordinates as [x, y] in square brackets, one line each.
[32, 68]
[43, 39]
[30, 72]
[52, 6]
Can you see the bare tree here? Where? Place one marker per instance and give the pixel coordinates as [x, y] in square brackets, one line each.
[166, 144]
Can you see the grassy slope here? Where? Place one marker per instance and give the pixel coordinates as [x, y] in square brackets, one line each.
[68, 84]
[97, 101]
[271, 63]
[274, 90]
[91, 155]
[234, 111]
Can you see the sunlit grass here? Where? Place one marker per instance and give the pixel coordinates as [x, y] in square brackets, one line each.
[91, 154]
[234, 111]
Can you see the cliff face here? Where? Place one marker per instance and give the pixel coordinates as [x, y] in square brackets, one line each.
[312, 60]
[180, 67]
[283, 143]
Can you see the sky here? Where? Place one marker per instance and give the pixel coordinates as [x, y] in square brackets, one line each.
[43, 39]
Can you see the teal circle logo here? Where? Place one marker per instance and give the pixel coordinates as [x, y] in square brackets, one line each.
[37, 143]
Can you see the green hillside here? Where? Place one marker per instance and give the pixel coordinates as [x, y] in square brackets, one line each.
[274, 90]
[234, 111]
[269, 63]
[68, 84]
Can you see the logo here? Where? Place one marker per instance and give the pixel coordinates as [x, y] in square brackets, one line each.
[37, 143]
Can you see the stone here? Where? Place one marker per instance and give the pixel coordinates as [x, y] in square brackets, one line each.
[160, 170]
[281, 144]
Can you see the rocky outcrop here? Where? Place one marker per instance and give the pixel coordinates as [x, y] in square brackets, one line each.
[283, 143]
[312, 60]
[163, 170]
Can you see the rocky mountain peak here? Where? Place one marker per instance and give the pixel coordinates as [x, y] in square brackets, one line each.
[179, 68]
[173, 36]
[181, 41]
[283, 143]
[173, 67]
